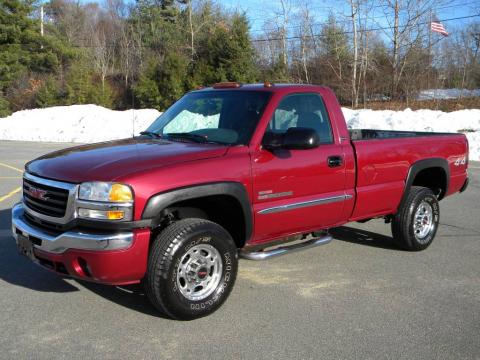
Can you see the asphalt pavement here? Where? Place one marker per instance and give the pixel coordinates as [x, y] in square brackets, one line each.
[358, 297]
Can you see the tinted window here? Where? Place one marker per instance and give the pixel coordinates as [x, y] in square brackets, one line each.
[302, 110]
[222, 116]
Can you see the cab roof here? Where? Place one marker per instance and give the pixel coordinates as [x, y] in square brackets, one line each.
[270, 87]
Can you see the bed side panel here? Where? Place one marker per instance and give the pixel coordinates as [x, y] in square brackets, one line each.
[383, 165]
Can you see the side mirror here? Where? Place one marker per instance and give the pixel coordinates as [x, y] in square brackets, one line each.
[272, 141]
[296, 138]
[299, 138]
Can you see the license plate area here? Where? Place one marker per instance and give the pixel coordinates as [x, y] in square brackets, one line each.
[25, 246]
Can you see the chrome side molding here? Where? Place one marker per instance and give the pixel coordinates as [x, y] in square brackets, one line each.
[302, 204]
[264, 255]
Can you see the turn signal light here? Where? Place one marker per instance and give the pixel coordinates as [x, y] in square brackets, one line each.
[120, 193]
[115, 215]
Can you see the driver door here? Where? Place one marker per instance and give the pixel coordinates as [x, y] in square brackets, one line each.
[297, 191]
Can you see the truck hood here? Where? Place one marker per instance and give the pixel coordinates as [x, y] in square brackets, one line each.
[108, 161]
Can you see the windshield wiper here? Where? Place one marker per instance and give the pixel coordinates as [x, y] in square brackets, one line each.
[189, 136]
[150, 133]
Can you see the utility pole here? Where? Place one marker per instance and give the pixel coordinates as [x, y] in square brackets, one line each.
[41, 20]
[41, 24]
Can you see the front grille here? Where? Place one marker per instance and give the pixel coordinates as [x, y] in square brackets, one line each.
[44, 199]
[49, 227]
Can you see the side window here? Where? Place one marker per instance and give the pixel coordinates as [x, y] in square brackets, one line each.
[301, 110]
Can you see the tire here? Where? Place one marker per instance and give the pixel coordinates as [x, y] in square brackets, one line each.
[415, 224]
[192, 267]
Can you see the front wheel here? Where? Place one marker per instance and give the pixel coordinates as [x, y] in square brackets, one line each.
[192, 268]
[415, 224]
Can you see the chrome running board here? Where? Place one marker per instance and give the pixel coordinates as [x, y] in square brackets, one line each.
[264, 255]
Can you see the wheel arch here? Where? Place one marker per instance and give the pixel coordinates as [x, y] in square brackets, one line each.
[195, 200]
[433, 173]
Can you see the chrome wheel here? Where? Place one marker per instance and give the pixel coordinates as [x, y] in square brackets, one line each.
[199, 272]
[423, 222]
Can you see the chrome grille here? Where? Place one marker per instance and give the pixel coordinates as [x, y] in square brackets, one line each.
[46, 200]
[49, 200]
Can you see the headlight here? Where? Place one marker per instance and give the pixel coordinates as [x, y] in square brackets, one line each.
[105, 201]
[105, 191]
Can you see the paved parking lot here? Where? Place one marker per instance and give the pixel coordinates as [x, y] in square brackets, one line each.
[358, 297]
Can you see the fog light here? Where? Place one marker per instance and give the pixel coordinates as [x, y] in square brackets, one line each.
[101, 214]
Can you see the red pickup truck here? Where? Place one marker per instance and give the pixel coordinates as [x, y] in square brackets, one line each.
[227, 171]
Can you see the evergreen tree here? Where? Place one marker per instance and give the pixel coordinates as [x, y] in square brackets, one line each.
[23, 51]
[227, 53]
[82, 87]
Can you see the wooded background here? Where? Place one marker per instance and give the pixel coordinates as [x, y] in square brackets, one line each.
[147, 53]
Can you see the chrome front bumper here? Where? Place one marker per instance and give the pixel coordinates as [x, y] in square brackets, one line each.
[67, 240]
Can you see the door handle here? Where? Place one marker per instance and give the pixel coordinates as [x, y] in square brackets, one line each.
[334, 161]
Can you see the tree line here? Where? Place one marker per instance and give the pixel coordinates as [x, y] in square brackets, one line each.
[148, 53]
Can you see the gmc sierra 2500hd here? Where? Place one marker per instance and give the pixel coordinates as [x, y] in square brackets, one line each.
[228, 171]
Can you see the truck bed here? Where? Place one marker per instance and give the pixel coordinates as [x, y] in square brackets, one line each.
[383, 165]
[368, 134]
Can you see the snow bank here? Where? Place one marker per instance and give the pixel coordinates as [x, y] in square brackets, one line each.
[447, 94]
[92, 123]
[467, 121]
[76, 123]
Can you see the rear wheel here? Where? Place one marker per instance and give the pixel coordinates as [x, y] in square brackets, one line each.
[192, 267]
[415, 224]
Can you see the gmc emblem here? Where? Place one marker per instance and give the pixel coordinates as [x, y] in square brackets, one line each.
[36, 193]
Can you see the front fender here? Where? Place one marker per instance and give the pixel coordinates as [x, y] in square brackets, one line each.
[161, 201]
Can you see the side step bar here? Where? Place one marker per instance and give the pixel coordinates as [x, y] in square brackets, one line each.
[264, 255]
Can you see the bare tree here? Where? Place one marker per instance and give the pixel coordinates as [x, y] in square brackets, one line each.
[127, 53]
[69, 17]
[103, 48]
[406, 19]
[282, 18]
[354, 6]
[192, 32]
[306, 38]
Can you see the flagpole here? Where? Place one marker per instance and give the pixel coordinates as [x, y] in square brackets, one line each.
[429, 49]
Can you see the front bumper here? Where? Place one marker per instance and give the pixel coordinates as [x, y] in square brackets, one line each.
[111, 257]
[58, 243]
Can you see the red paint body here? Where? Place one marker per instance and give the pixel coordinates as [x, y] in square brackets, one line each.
[118, 267]
[374, 173]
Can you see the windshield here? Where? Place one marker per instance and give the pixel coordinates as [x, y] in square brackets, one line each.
[220, 116]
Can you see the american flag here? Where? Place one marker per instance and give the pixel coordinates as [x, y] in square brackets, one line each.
[438, 27]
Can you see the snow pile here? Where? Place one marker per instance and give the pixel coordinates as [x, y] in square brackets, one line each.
[447, 94]
[92, 123]
[466, 121]
[76, 123]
